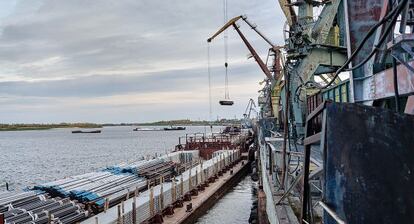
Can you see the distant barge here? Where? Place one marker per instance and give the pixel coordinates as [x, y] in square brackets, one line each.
[174, 129]
[86, 132]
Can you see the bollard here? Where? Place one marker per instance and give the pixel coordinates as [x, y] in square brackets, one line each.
[189, 207]
[7, 186]
[96, 220]
[2, 218]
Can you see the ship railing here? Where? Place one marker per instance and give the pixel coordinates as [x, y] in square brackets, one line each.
[314, 135]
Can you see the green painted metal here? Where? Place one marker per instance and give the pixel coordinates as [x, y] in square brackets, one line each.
[338, 93]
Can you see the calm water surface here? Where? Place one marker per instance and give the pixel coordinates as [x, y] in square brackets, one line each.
[234, 207]
[33, 157]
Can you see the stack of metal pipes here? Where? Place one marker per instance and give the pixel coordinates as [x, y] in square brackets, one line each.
[182, 156]
[154, 171]
[36, 208]
[96, 188]
[134, 167]
[154, 200]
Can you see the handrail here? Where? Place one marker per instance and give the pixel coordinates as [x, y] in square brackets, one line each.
[331, 213]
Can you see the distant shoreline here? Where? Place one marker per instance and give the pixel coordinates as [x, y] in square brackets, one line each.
[31, 127]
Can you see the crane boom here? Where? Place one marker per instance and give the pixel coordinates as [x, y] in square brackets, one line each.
[232, 22]
[254, 27]
[227, 25]
[262, 65]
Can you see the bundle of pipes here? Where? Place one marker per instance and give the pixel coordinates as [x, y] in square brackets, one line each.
[134, 167]
[182, 156]
[34, 207]
[154, 200]
[95, 188]
[154, 172]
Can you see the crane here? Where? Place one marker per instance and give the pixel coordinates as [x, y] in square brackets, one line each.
[251, 106]
[276, 68]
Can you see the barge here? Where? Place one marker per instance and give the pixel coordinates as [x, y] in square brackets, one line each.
[86, 132]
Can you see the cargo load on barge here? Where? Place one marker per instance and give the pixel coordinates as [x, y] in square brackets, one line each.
[143, 191]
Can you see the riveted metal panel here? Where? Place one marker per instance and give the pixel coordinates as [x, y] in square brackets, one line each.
[369, 164]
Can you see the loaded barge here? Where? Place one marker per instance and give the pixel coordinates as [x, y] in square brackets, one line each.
[177, 187]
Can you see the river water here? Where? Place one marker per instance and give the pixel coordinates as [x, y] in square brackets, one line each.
[32, 157]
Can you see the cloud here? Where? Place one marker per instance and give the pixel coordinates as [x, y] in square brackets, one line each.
[55, 51]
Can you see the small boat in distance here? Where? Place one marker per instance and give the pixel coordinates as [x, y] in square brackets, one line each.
[86, 132]
[174, 128]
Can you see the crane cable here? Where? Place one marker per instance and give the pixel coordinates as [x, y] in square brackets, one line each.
[209, 81]
[226, 53]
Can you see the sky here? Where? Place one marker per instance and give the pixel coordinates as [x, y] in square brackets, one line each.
[109, 61]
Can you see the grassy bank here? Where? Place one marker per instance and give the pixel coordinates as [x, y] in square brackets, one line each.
[27, 127]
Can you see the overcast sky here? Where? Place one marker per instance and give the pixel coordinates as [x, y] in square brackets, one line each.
[125, 60]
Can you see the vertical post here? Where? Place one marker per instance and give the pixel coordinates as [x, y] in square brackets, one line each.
[49, 217]
[134, 211]
[285, 130]
[119, 215]
[96, 220]
[7, 186]
[162, 194]
[2, 218]
[190, 180]
[136, 192]
[201, 173]
[305, 193]
[151, 198]
[270, 161]
[182, 186]
[106, 205]
[174, 191]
